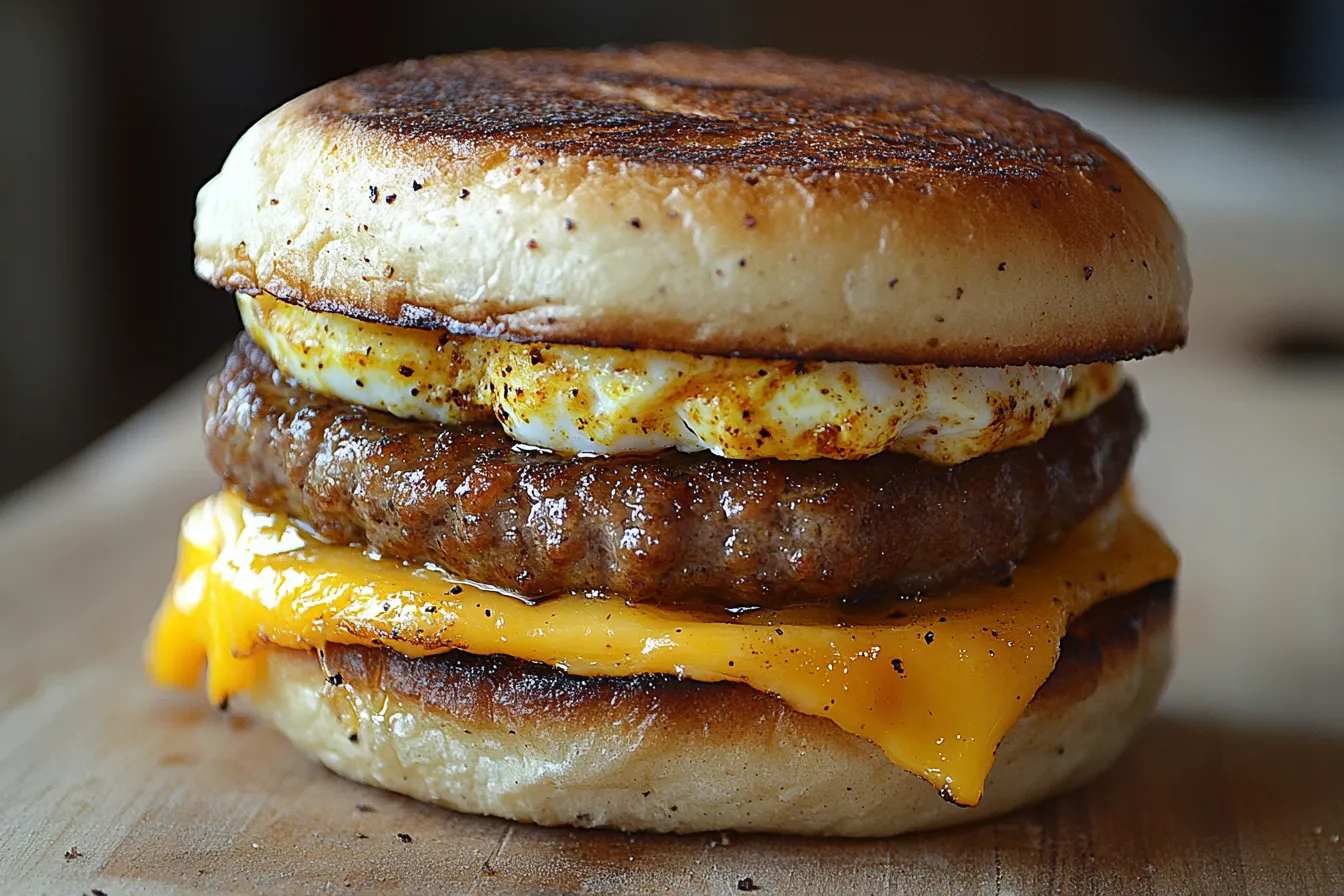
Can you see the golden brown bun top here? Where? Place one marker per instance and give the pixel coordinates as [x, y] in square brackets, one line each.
[730, 202]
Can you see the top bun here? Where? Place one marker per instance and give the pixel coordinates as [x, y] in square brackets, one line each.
[683, 198]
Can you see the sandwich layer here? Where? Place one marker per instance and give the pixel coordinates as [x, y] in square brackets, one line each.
[617, 401]
[664, 528]
[935, 683]
[707, 201]
[498, 736]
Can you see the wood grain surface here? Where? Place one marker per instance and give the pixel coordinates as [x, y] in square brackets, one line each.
[1237, 787]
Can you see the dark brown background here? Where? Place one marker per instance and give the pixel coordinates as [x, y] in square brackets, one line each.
[114, 114]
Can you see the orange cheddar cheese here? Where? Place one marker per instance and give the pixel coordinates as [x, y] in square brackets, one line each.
[936, 682]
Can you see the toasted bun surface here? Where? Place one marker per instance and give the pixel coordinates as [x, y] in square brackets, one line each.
[497, 736]
[724, 202]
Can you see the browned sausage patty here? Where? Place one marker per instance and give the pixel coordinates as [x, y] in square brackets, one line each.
[666, 527]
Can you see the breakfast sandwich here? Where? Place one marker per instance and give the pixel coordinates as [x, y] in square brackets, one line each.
[678, 439]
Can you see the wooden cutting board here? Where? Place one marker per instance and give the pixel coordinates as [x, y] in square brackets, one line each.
[1237, 787]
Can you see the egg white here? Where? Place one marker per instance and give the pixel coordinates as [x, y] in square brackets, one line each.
[612, 401]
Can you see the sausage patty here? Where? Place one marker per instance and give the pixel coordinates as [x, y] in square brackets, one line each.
[668, 527]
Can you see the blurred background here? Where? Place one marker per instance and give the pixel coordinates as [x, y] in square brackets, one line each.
[115, 113]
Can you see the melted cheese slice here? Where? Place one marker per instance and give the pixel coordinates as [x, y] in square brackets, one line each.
[936, 684]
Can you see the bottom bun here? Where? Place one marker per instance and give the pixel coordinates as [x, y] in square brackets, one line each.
[498, 736]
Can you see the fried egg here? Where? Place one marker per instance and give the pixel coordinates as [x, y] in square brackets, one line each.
[577, 399]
